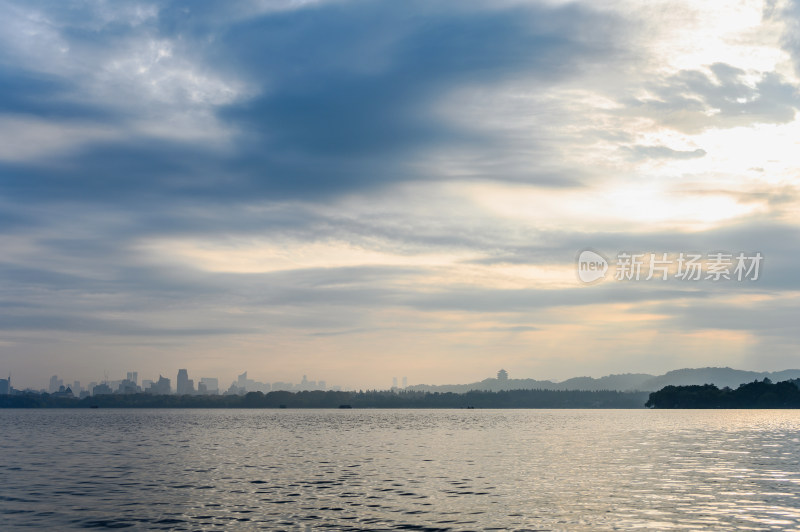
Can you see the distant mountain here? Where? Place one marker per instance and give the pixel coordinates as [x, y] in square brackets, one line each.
[644, 382]
[720, 377]
[625, 381]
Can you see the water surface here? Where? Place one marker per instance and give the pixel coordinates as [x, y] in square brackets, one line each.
[399, 469]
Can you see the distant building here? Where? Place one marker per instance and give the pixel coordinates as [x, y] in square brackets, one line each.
[127, 386]
[133, 376]
[55, 384]
[306, 385]
[250, 385]
[5, 386]
[235, 390]
[162, 387]
[255, 386]
[102, 389]
[502, 375]
[65, 393]
[394, 382]
[211, 384]
[405, 382]
[184, 383]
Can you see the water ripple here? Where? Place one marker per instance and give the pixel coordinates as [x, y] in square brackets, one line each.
[400, 470]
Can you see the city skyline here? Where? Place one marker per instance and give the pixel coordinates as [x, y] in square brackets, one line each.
[181, 385]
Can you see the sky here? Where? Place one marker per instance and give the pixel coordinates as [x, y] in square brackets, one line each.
[356, 190]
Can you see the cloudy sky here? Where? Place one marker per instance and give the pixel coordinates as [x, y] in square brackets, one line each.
[356, 190]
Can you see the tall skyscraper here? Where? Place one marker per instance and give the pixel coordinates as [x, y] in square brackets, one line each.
[405, 382]
[133, 376]
[185, 384]
[55, 383]
[394, 382]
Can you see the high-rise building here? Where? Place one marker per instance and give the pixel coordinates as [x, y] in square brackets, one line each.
[394, 382]
[133, 376]
[162, 387]
[55, 383]
[211, 384]
[185, 384]
[127, 386]
[405, 382]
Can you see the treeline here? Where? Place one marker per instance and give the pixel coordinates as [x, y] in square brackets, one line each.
[756, 394]
[331, 399]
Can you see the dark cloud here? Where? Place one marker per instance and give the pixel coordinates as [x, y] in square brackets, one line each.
[357, 114]
[43, 95]
[346, 95]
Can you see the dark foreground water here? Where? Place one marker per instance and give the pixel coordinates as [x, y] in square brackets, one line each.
[399, 469]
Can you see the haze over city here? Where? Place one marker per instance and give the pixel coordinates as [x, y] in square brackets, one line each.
[356, 190]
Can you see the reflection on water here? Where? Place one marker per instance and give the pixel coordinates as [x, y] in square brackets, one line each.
[399, 469]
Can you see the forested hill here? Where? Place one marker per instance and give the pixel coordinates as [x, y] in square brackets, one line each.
[756, 394]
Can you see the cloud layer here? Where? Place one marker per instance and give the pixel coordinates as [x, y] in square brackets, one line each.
[363, 187]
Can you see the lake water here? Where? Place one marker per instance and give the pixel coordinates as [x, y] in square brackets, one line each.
[399, 469]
